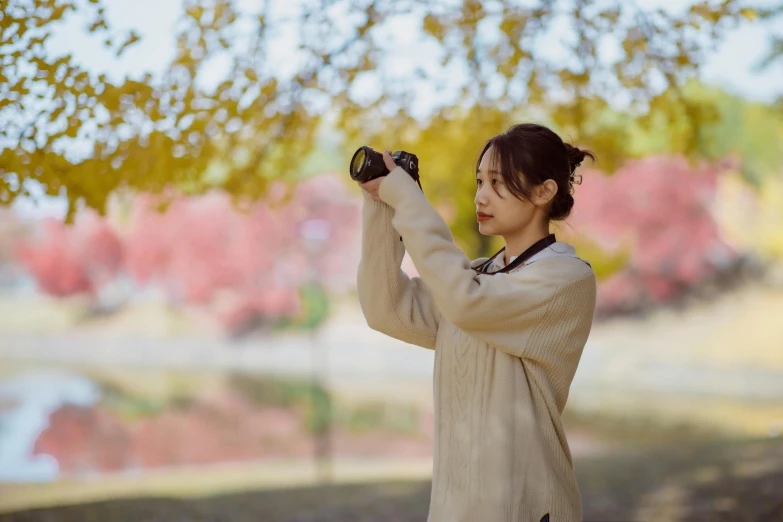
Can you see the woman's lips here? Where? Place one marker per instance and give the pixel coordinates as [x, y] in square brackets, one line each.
[482, 217]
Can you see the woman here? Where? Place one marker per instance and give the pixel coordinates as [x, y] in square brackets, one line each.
[507, 331]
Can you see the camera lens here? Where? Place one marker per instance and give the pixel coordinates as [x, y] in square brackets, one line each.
[357, 163]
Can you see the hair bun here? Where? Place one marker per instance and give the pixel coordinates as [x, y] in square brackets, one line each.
[561, 206]
[577, 156]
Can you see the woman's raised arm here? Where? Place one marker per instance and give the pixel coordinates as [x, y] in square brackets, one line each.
[393, 303]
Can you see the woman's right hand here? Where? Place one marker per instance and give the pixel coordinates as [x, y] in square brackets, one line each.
[372, 187]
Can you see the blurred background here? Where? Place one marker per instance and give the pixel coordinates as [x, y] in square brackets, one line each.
[180, 337]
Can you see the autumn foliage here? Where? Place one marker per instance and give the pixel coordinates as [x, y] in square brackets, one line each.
[73, 260]
[655, 218]
[660, 212]
[83, 135]
[205, 251]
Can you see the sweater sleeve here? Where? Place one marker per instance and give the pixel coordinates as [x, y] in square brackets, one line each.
[503, 310]
[393, 303]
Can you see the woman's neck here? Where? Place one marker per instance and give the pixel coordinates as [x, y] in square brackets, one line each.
[526, 238]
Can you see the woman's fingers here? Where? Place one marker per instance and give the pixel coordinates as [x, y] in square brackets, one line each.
[373, 186]
[388, 161]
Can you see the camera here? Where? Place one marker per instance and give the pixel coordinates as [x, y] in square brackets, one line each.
[367, 164]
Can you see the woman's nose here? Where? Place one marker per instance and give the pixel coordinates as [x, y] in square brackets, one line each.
[480, 196]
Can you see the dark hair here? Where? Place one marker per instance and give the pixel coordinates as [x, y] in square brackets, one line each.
[538, 154]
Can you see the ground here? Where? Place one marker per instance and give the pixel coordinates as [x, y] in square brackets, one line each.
[713, 481]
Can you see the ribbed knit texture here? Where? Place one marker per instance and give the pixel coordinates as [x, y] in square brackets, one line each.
[506, 350]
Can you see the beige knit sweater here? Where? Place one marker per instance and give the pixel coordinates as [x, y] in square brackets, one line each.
[506, 350]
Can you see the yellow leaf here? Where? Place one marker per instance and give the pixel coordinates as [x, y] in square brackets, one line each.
[749, 14]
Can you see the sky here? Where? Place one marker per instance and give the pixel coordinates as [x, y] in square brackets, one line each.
[731, 66]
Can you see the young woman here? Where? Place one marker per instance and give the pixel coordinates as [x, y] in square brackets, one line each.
[507, 331]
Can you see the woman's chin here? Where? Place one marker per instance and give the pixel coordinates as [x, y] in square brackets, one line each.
[488, 228]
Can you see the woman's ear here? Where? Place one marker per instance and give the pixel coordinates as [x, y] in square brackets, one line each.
[545, 192]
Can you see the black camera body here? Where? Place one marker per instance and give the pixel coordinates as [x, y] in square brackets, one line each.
[367, 164]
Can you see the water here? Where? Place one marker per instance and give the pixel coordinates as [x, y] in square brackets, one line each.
[32, 397]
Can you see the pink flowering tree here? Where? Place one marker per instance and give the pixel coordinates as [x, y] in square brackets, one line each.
[276, 263]
[73, 260]
[660, 211]
[253, 267]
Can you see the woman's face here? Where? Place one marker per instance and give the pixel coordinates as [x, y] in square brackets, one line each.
[509, 213]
